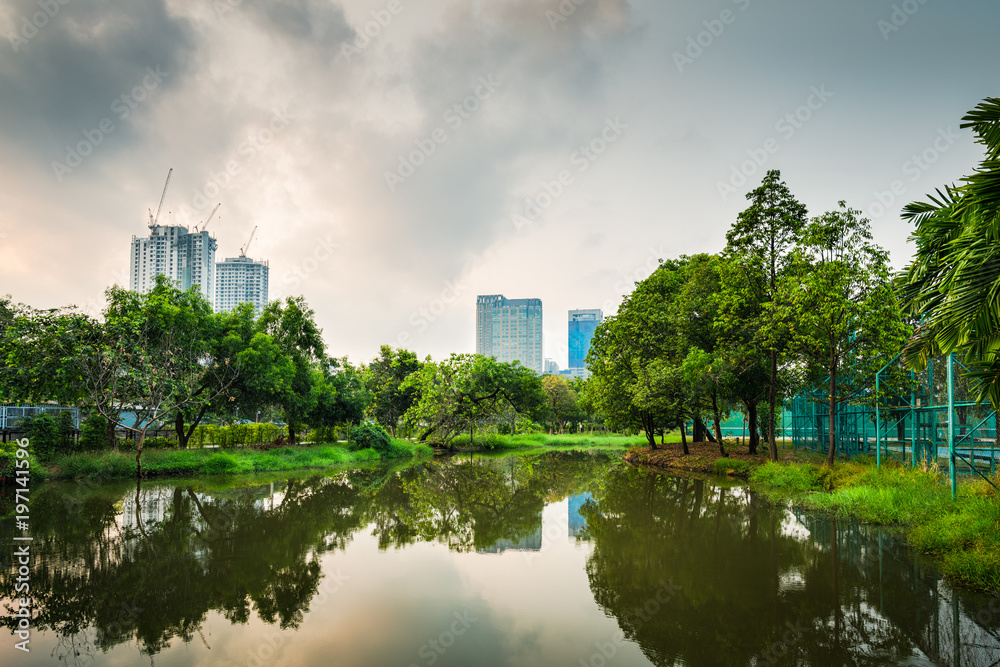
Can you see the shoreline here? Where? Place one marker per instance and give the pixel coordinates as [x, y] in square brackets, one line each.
[961, 537]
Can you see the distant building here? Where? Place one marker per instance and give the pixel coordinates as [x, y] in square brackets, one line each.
[240, 280]
[582, 324]
[551, 367]
[510, 330]
[187, 258]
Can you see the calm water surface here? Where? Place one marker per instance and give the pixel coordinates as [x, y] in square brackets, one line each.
[558, 559]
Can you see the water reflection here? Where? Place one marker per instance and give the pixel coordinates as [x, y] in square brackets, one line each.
[690, 571]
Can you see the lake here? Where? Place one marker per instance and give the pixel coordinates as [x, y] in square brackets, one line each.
[571, 559]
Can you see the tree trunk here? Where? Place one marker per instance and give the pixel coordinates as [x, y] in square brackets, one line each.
[112, 441]
[291, 434]
[752, 424]
[647, 426]
[831, 455]
[717, 422]
[772, 400]
[684, 440]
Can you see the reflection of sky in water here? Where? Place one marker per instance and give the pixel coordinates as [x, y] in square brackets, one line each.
[531, 597]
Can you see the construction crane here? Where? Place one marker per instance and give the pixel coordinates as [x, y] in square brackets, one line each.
[154, 218]
[208, 219]
[243, 250]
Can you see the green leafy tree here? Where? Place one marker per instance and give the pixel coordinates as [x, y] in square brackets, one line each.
[760, 243]
[840, 297]
[292, 327]
[384, 378]
[342, 395]
[952, 286]
[561, 400]
[635, 357]
[466, 391]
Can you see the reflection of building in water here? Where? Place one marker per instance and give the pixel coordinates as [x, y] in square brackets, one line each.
[531, 542]
[577, 522]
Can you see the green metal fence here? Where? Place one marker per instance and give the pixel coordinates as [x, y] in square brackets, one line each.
[915, 419]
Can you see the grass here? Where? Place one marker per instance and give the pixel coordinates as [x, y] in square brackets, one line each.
[531, 441]
[962, 535]
[160, 462]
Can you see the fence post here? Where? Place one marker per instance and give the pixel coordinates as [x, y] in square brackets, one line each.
[878, 420]
[951, 428]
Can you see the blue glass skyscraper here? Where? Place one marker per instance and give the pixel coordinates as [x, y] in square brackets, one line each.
[582, 324]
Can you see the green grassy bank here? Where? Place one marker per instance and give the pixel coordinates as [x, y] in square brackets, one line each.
[532, 441]
[963, 536]
[160, 462]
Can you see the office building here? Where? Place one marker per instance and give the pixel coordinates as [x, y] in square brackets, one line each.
[551, 367]
[510, 330]
[187, 258]
[240, 280]
[582, 324]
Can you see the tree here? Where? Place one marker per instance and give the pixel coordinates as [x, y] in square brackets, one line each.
[635, 356]
[384, 377]
[760, 242]
[468, 390]
[560, 400]
[294, 330]
[952, 286]
[146, 356]
[840, 297]
[342, 396]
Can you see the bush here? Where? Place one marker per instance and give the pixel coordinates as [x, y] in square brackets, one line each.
[50, 437]
[724, 466]
[370, 435]
[159, 443]
[93, 433]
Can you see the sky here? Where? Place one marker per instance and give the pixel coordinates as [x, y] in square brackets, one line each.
[400, 157]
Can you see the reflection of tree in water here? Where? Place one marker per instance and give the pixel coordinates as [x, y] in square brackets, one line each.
[149, 583]
[106, 571]
[473, 503]
[751, 592]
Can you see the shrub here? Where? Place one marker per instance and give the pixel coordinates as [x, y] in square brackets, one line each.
[370, 435]
[93, 433]
[724, 466]
[48, 437]
[159, 443]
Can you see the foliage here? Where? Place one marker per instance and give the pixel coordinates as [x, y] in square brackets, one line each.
[384, 378]
[467, 392]
[952, 286]
[370, 435]
[760, 243]
[50, 437]
[93, 433]
[635, 358]
[723, 466]
[838, 294]
[561, 400]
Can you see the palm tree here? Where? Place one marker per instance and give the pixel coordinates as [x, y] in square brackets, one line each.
[953, 284]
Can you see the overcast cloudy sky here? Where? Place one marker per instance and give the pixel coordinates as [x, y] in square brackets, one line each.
[402, 156]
